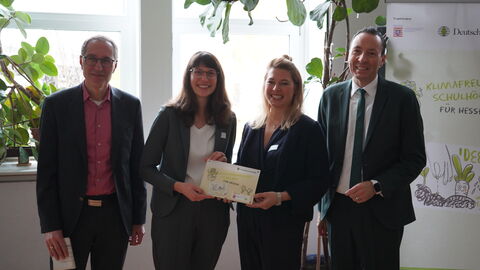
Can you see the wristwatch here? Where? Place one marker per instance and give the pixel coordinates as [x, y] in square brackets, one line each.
[278, 195]
[377, 187]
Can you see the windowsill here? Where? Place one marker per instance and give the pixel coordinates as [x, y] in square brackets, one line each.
[10, 172]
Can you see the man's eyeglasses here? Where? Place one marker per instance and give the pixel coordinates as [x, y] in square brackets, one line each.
[198, 73]
[92, 61]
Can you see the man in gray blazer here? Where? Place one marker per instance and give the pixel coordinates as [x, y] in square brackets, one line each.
[376, 148]
[88, 183]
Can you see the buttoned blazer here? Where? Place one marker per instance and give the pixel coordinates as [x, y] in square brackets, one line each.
[62, 165]
[394, 148]
[165, 156]
[302, 166]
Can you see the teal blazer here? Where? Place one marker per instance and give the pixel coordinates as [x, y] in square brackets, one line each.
[165, 156]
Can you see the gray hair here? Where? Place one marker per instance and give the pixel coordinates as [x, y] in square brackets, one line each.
[102, 39]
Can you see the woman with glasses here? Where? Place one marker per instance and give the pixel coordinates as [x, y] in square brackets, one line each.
[289, 149]
[188, 226]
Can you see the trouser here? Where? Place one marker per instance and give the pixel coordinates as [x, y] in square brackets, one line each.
[269, 239]
[191, 236]
[101, 234]
[358, 240]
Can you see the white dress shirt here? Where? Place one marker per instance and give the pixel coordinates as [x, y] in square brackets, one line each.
[202, 142]
[371, 90]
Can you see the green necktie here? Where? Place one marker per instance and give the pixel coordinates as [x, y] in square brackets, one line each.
[356, 172]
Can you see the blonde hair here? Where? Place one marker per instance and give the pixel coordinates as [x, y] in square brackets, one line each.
[293, 112]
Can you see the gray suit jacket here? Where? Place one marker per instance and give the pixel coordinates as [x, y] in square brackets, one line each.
[167, 146]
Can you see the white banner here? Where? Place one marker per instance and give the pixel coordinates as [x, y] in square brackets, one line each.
[435, 50]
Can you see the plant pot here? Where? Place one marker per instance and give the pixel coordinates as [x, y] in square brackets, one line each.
[13, 151]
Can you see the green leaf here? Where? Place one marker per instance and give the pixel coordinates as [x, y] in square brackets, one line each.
[203, 16]
[3, 22]
[17, 59]
[364, 6]
[341, 50]
[469, 177]
[249, 5]
[20, 27]
[315, 67]
[215, 21]
[339, 14]
[38, 58]
[49, 58]
[22, 136]
[381, 21]
[3, 86]
[188, 3]
[457, 165]
[6, 3]
[35, 153]
[296, 12]
[42, 46]
[318, 14]
[23, 54]
[23, 157]
[49, 68]
[24, 17]
[28, 48]
[203, 2]
[225, 27]
[468, 168]
[32, 73]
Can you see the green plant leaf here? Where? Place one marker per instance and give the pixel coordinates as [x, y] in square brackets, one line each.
[22, 136]
[42, 46]
[6, 3]
[226, 27]
[17, 59]
[3, 22]
[203, 2]
[318, 13]
[381, 21]
[3, 86]
[296, 12]
[339, 14]
[28, 48]
[364, 6]
[35, 153]
[188, 3]
[23, 54]
[49, 58]
[38, 58]
[315, 67]
[49, 68]
[469, 177]
[249, 5]
[32, 73]
[24, 17]
[214, 22]
[20, 27]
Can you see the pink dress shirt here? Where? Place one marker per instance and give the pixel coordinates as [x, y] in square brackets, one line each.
[98, 128]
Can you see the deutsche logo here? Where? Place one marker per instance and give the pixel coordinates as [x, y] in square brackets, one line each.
[443, 31]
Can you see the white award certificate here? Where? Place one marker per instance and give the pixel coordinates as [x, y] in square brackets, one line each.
[228, 181]
[67, 263]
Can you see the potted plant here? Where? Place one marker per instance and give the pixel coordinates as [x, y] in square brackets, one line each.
[23, 86]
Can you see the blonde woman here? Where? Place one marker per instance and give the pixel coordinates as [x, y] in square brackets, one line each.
[289, 149]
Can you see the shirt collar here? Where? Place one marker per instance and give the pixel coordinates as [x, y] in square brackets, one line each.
[86, 95]
[370, 88]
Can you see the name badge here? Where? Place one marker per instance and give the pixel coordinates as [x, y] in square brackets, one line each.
[273, 147]
[223, 135]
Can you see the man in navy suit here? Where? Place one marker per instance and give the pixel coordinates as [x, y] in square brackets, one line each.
[376, 148]
[88, 183]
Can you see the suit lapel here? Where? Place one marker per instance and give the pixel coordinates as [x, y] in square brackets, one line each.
[185, 141]
[378, 105]
[78, 120]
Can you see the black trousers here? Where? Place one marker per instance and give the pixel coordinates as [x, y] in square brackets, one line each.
[358, 240]
[101, 234]
[269, 239]
[191, 236]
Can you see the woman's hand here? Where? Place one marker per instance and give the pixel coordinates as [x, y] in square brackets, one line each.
[191, 191]
[218, 156]
[264, 200]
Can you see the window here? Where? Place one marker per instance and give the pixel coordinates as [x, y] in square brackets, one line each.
[68, 24]
[245, 57]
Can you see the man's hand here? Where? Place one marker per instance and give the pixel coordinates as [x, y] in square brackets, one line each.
[264, 200]
[218, 156]
[56, 244]
[361, 192]
[137, 235]
[191, 191]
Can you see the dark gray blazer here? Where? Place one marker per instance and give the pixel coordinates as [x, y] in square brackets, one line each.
[168, 145]
[62, 165]
[394, 151]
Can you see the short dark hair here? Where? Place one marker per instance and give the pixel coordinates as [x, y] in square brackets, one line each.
[218, 106]
[374, 31]
[102, 39]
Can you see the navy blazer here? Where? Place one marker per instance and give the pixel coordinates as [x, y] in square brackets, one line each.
[394, 148]
[302, 168]
[168, 145]
[62, 165]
